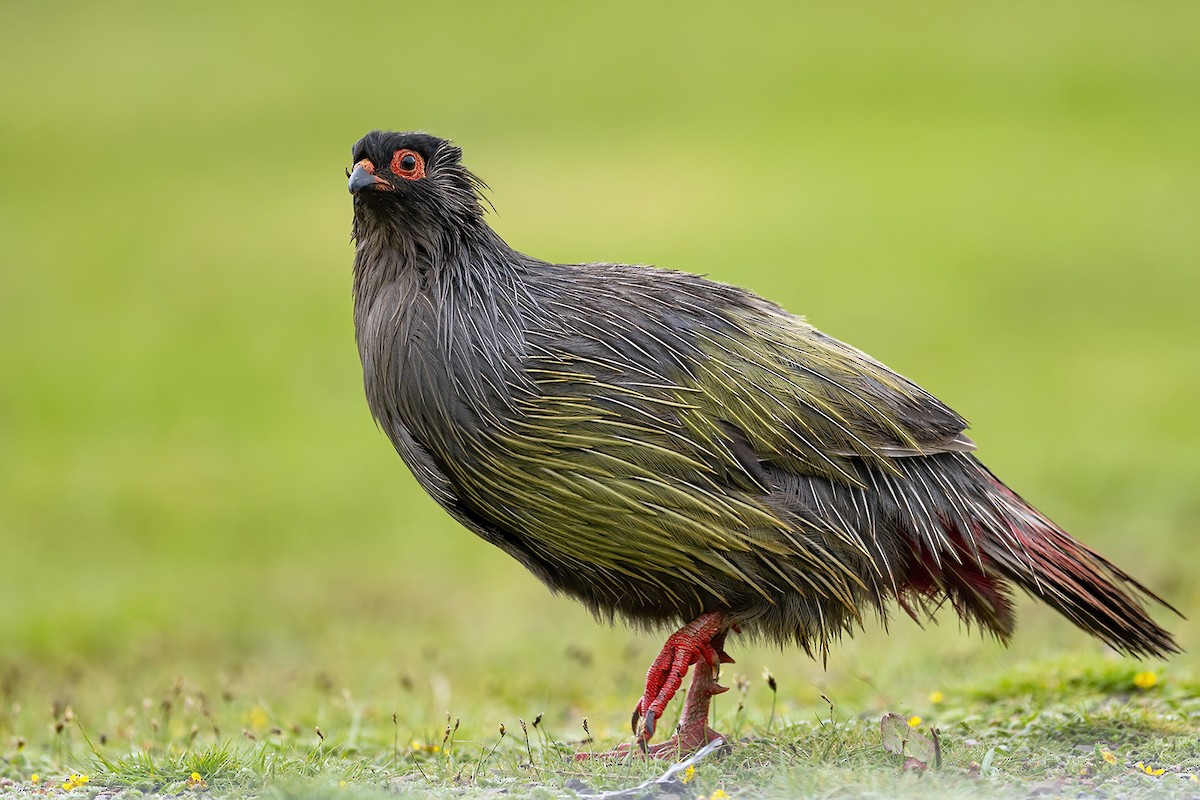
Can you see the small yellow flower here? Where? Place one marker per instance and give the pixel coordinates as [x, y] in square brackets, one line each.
[914, 721]
[1149, 770]
[258, 719]
[719, 794]
[341, 784]
[936, 697]
[689, 773]
[34, 778]
[1107, 756]
[196, 781]
[74, 782]
[1145, 680]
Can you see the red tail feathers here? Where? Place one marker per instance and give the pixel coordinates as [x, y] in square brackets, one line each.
[1072, 578]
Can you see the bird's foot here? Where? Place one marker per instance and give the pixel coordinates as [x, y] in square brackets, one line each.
[699, 642]
[678, 746]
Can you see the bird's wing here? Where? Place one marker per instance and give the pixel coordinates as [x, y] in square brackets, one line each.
[738, 376]
[806, 402]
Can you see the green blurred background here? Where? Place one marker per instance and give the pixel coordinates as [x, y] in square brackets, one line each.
[998, 200]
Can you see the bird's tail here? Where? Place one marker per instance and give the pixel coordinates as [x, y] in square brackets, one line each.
[986, 537]
[1072, 578]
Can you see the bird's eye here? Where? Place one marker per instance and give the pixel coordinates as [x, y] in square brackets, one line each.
[408, 164]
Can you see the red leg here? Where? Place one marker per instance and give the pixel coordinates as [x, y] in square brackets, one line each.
[693, 731]
[701, 643]
[698, 642]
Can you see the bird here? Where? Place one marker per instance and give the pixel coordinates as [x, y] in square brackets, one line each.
[675, 452]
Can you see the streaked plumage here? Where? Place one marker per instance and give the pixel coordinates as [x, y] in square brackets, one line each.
[659, 445]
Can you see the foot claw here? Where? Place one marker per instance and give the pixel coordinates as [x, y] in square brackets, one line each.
[633, 720]
[648, 725]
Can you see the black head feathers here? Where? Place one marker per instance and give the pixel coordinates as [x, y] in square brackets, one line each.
[413, 178]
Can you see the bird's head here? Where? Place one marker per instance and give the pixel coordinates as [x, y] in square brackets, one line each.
[413, 181]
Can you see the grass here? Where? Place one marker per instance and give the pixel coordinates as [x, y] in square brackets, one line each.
[1052, 727]
[200, 527]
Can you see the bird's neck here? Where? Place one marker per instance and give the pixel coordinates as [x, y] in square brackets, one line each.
[466, 269]
[435, 261]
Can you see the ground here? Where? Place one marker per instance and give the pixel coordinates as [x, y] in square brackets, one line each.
[1092, 725]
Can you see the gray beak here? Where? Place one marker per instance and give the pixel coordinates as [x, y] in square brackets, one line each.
[363, 177]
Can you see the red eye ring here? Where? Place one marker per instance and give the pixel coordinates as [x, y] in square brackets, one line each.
[408, 164]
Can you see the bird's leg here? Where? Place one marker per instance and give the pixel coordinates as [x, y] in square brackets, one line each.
[700, 642]
[693, 732]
